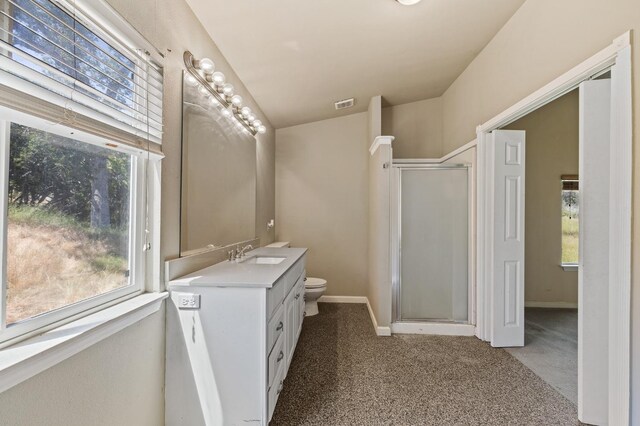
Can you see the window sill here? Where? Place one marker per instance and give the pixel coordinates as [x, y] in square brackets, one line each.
[569, 267]
[24, 360]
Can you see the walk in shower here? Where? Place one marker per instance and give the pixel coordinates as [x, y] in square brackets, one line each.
[430, 242]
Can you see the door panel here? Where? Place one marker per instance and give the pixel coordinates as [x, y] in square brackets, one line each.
[507, 323]
[434, 244]
[593, 270]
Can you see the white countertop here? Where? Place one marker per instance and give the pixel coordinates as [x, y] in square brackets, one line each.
[243, 274]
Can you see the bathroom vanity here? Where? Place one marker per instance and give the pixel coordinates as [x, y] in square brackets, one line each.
[232, 329]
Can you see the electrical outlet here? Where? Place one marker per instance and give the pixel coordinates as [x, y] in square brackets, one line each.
[188, 301]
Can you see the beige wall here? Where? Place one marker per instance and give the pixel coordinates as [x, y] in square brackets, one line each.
[120, 380]
[417, 128]
[321, 199]
[552, 150]
[542, 40]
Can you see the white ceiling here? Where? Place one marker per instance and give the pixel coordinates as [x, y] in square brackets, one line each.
[297, 57]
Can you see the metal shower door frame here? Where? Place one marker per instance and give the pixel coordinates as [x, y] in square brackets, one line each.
[396, 236]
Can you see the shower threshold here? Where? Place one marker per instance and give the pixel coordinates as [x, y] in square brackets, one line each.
[443, 328]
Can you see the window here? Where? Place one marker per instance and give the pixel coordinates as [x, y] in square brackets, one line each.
[68, 222]
[80, 114]
[570, 219]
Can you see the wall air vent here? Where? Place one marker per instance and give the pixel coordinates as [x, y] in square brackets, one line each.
[345, 103]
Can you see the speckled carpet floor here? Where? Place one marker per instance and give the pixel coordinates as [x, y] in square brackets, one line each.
[343, 374]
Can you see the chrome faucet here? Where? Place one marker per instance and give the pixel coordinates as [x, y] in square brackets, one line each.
[240, 253]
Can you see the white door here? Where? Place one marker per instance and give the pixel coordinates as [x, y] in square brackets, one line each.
[507, 322]
[593, 271]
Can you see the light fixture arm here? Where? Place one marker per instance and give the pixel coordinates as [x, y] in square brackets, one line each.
[188, 62]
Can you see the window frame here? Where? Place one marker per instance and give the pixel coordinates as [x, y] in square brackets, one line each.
[138, 256]
[33, 104]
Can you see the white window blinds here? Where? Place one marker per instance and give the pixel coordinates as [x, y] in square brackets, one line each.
[55, 51]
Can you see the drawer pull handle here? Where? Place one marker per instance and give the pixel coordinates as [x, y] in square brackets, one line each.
[280, 326]
[280, 356]
[297, 296]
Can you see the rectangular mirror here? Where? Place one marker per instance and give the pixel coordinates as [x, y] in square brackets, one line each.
[218, 175]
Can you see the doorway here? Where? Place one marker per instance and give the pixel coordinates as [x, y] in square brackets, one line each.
[501, 247]
[551, 227]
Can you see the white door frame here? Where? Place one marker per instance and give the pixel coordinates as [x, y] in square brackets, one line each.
[619, 54]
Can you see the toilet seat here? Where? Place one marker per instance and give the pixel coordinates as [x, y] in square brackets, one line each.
[311, 282]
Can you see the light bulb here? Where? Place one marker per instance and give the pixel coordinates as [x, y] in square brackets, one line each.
[407, 2]
[226, 113]
[236, 100]
[214, 101]
[257, 123]
[217, 78]
[206, 65]
[190, 80]
[203, 90]
[227, 89]
[251, 118]
[262, 129]
[245, 111]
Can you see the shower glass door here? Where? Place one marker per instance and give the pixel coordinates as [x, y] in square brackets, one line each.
[432, 263]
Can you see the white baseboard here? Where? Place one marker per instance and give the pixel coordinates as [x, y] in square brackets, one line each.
[444, 329]
[343, 299]
[404, 327]
[380, 331]
[552, 305]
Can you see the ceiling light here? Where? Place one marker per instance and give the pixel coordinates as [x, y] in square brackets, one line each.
[407, 2]
[205, 65]
[220, 93]
[236, 100]
[217, 78]
[227, 89]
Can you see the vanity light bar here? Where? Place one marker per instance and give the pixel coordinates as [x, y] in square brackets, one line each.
[215, 84]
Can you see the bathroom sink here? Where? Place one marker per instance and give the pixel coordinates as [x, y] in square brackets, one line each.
[265, 260]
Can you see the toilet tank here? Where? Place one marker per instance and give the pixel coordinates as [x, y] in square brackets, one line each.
[280, 244]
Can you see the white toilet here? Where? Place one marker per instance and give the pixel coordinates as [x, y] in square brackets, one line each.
[313, 287]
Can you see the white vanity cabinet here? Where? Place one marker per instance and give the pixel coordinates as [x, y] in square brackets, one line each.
[294, 308]
[232, 330]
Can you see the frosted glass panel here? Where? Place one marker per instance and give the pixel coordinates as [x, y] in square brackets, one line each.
[434, 244]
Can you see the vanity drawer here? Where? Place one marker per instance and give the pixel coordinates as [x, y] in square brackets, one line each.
[276, 388]
[294, 273]
[276, 360]
[275, 296]
[275, 328]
